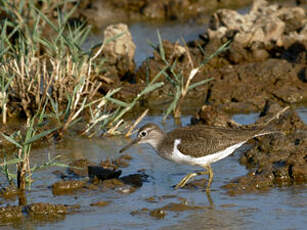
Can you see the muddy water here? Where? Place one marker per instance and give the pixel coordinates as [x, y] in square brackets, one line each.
[279, 208]
[144, 34]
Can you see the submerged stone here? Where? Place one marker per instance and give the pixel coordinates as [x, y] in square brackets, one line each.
[67, 187]
[10, 214]
[101, 203]
[46, 210]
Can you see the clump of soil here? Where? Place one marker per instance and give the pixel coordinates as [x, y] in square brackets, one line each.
[160, 213]
[120, 162]
[101, 203]
[270, 64]
[46, 210]
[106, 170]
[275, 160]
[80, 167]
[106, 175]
[125, 10]
[125, 184]
[212, 115]
[9, 192]
[10, 214]
[103, 173]
[67, 187]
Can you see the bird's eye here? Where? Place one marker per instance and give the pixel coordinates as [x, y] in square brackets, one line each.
[143, 134]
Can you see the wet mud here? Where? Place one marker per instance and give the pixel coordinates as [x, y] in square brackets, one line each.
[274, 160]
[10, 214]
[102, 177]
[46, 210]
[257, 73]
[38, 211]
[105, 12]
[160, 213]
[259, 68]
[264, 69]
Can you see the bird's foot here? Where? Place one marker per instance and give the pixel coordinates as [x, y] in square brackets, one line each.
[185, 180]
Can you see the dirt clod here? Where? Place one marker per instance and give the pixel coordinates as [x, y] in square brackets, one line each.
[10, 213]
[67, 187]
[46, 210]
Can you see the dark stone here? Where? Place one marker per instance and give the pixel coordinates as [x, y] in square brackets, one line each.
[102, 173]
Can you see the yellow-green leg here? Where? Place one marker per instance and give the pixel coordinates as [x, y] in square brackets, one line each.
[210, 172]
[185, 180]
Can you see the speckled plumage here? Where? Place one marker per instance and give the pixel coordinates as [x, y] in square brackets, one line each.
[201, 140]
[196, 145]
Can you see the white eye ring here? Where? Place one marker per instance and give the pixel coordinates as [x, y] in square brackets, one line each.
[143, 134]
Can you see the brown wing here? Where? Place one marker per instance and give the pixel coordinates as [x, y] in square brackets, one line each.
[203, 140]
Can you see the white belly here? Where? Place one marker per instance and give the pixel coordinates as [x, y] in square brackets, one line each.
[178, 157]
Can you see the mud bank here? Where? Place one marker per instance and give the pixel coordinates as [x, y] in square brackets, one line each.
[279, 159]
[266, 60]
[84, 175]
[106, 12]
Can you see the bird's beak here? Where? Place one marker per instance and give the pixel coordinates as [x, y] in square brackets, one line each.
[130, 144]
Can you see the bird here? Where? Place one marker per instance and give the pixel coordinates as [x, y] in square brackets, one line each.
[197, 145]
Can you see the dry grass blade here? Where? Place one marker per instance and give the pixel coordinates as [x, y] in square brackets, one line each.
[137, 121]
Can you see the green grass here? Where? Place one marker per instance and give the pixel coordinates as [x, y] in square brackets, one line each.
[45, 75]
[183, 84]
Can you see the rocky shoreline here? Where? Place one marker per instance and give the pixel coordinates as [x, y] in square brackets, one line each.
[264, 68]
[266, 60]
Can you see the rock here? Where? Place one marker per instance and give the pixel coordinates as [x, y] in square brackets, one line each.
[213, 116]
[119, 50]
[10, 214]
[106, 170]
[108, 11]
[103, 173]
[179, 207]
[274, 160]
[67, 187]
[290, 94]
[158, 213]
[126, 184]
[135, 180]
[269, 25]
[302, 75]
[139, 212]
[120, 162]
[80, 167]
[266, 81]
[46, 210]
[9, 192]
[112, 183]
[101, 203]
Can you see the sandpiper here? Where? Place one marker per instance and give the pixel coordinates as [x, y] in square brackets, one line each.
[198, 145]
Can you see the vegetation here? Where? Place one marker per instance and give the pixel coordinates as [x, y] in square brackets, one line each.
[182, 84]
[45, 75]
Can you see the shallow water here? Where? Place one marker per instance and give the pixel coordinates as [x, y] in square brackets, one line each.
[143, 34]
[280, 208]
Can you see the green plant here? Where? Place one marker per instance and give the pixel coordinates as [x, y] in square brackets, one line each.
[37, 69]
[182, 84]
[23, 143]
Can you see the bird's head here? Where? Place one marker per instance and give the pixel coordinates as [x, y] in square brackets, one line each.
[148, 134]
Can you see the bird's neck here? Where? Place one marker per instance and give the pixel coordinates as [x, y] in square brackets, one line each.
[157, 141]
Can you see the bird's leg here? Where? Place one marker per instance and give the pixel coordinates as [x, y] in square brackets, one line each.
[210, 172]
[185, 180]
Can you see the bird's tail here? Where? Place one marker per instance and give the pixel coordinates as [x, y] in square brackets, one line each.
[269, 129]
[269, 126]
